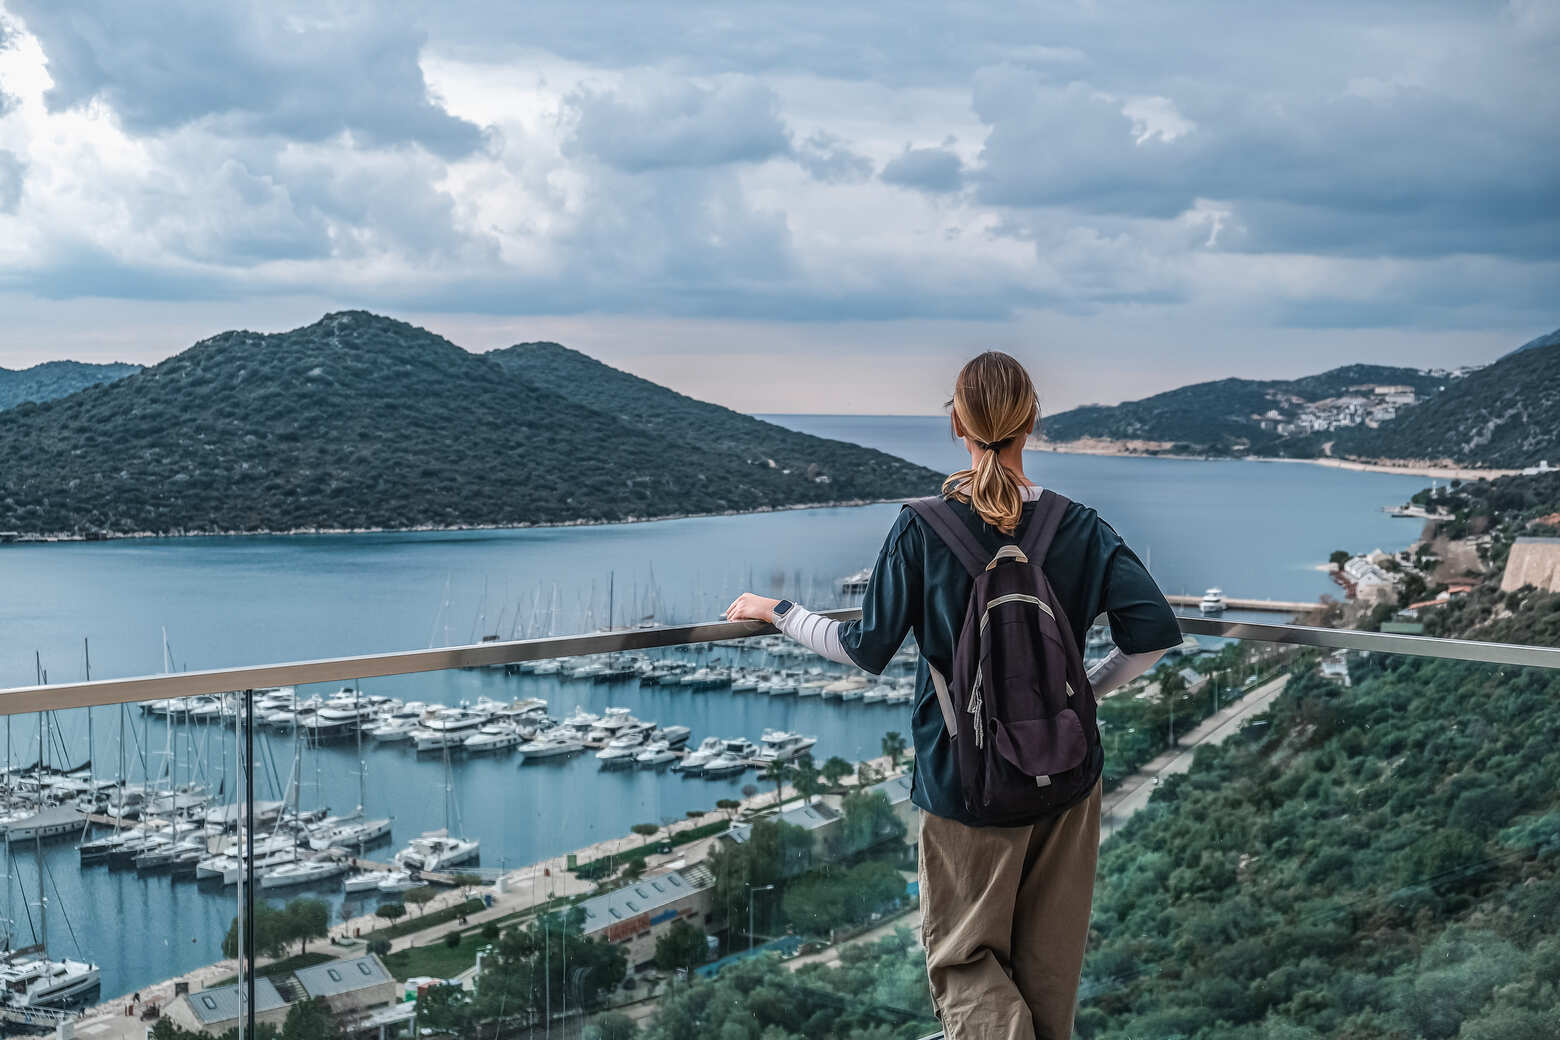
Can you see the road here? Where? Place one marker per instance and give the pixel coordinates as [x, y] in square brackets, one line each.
[1136, 789]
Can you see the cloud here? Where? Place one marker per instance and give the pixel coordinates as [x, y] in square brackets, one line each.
[246, 68]
[829, 159]
[11, 172]
[934, 170]
[657, 122]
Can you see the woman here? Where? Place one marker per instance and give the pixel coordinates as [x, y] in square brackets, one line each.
[1005, 910]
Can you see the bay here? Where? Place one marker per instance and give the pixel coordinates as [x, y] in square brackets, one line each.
[1257, 529]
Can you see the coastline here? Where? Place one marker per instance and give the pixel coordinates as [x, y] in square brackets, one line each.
[1433, 469]
[114, 536]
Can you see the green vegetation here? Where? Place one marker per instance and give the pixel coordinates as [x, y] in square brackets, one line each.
[683, 945]
[54, 379]
[277, 926]
[877, 993]
[524, 972]
[868, 821]
[402, 926]
[1506, 415]
[834, 897]
[595, 869]
[362, 421]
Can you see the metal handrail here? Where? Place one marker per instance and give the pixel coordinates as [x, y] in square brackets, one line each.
[477, 655]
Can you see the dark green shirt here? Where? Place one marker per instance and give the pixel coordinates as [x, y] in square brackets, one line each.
[919, 585]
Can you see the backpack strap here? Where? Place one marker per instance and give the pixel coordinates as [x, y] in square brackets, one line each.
[1041, 529]
[951, 530]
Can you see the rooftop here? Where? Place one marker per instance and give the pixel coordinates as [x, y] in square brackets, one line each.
[896, 788]
[642, 897]
[333, 977]
[221, 1004]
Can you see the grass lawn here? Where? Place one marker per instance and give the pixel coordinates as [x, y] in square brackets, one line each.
[435, 959]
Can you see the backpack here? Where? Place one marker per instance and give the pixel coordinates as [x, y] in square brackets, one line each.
[1018, 705]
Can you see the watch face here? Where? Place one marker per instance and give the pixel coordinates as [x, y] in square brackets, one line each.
[783, 606]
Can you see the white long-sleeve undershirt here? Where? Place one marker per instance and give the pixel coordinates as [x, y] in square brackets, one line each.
[821, 635]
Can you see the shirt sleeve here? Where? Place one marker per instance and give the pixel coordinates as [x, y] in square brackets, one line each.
[1140, 619]
[893, 597]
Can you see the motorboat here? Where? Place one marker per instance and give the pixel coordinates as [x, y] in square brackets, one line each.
[614, 719]
[521, 708]
[851, 684]
[552, 744]
[1212, 602]
[446, 728]
[347, 832]
[779, 684]
[813, 685]
[781, 746]
[743, 681]
[393, 728]
[495, 736]
[723, 765]
[370, 880]
[876, 694]
[303, 872]
[588, 669]
[675, 736]
[436, 850]
[398, 881]
[694, 761]
[655, 753]
[740, 747]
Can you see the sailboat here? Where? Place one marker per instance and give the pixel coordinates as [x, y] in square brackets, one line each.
[29, 977]
[438, 850]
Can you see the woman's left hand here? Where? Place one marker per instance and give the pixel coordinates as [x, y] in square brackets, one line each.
[749, 607]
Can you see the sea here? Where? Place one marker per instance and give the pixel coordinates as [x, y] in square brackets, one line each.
[133, 607]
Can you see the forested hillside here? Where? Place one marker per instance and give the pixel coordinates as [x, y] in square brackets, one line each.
[1223, 416]
[1505, 415]
[54, 379]
[362, 421]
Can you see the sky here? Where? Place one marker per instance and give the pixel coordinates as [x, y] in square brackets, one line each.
[793, 206]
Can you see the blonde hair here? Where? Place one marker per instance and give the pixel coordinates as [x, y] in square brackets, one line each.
[994, 401]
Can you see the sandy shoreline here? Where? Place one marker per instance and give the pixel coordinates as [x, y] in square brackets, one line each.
[1435, 470]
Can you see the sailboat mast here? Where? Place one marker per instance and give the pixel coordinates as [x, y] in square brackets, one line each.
[43, 726]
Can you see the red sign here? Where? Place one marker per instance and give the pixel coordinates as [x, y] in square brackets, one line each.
[628, 929]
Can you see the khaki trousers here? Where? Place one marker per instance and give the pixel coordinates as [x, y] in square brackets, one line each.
[1004, 919]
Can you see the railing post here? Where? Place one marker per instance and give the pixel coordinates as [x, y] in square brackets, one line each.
[247, 868]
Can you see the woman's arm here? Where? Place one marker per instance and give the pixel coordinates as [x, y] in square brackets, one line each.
[1118, 669]
[817, 633]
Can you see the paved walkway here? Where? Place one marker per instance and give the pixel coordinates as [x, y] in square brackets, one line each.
[1135, 790]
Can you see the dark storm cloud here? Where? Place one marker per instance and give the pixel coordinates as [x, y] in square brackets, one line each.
[250, 67]
[933, 170]
[658, 123]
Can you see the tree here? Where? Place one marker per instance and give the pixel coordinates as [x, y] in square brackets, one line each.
[694, 814]
[866, 775]
[527, 966]
[893, 746]
[749, 790]
[613, 1025]
[804, 777]
[835, 770]
[644, 830]
[634, 869]
[729, 806]
[777, 773]
[391, 911]
[445, 1008]
[868, 819]
[310, 1020]
[306, 919]
[1339, 557]
[379, 947]
[452, 938]
[421, 897]
[681, 946]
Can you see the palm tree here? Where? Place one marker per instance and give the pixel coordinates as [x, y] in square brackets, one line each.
[893, 746]
[779, 772]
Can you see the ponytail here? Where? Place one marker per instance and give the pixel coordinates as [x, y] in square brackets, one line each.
[995, 402]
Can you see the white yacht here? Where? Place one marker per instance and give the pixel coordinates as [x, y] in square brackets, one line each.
[436, 850]
[553, 743]
[694, 761]
[447, 727]
[495, 736]
[723, 765]
[303, 872]
[675, 736]
[655, 753]
[740, 747]
[1212, 602]
[347, 832]
[370, 880]
[850, 684]
[394, 728]
[38, 981]
[780, 746]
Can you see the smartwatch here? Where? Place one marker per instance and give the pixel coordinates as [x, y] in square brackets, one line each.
[781, 608]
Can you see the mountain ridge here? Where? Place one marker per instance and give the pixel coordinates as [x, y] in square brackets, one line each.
[357, 422]
[49, 380]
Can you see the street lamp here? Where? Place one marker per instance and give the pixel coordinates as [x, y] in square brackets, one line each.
[752, 892]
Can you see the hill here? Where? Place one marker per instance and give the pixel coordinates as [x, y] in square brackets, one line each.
[1547, 340]
[54, 379]
[1230, 416]
[1505, 415]
[360, 421]
[694, 425]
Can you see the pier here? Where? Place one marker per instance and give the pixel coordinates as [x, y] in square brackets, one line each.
[1270, 606]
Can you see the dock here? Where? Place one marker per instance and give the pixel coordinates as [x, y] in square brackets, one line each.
[1270, 606]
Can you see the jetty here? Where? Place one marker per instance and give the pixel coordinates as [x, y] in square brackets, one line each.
[1271, 606]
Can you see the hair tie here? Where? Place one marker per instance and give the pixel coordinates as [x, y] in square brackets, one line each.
[994, 446]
